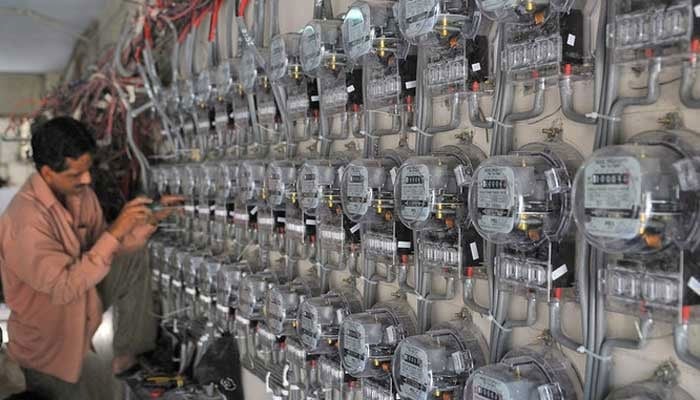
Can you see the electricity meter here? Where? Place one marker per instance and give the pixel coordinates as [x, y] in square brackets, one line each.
[438, 362]
[429, 188]
[268, 347]
[539, 371]
[280, 182]
[247, 71]
[186, 92]
[367, 340]
[662, 386]
[206, 204]
[367, 189]
[370, 26]
[156, 260]
[203, 89]
[424, 21]
[251, 175]
[522, 12]
[206, 284]
[532, 51]
[166, 274]
[318, 182]
[524, 199]
[320, 46]
[190, 283]
[320, 318]
[226, 186]
[252, 293]
[665, 28]
[640, 197]
[228, 283]
[282, 304]
[178, 264]
[333, 378]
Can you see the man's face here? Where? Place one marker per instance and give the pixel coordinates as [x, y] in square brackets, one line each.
[71, 181]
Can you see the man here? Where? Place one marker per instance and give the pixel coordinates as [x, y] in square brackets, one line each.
[60, 270]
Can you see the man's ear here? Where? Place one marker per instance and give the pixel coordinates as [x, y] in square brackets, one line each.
[46, 172]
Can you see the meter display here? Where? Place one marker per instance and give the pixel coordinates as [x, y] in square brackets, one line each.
[317, 182]
[429, 192]
[523, 199]
[533, 372]
[320, 318]
[280, 182]
[282, 304]
[251, 176]
[367, 340]
[439, 361]
[423, 21]
[320, 46]
[641, 196]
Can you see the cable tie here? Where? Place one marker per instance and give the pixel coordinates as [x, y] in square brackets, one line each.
[595, 115]
[497, 122]
[491, 318]
[418, 130]
[265, 128]
[583, 350]
[364, 133]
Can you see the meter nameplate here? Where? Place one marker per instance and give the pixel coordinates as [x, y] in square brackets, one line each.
[309, 326]
[354, 347]
[613, 184]
[309, 189]
[278, 58]
[310, 49]
[275, 187]
[487, 388]
[358, 41]
[414, 381]
[415, 196]
[357, 190]
[275, 311]
[418, 15]
[495, 199]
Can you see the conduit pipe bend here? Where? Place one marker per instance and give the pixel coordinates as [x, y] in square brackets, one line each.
[555, 323]
[681, 337]
[536, 110]
[566, 94]
[468, 294]
[688, 78]
[474, 112]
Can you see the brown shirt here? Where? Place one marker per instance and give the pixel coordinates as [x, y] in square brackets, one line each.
[51, 259]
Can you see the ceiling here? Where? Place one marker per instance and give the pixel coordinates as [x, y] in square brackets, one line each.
[44, 42]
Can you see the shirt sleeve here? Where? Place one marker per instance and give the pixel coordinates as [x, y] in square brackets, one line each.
[40, 260]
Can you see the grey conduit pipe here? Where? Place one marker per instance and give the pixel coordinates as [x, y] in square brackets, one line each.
[474, 113]
[555, 326]
[688, 78]
[566, 94]
[468, 296]
[619, 106]
[646, 324]
[681, 337]
[513, 117]
[510, 324]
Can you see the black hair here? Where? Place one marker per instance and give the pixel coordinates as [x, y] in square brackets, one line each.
[58, 139]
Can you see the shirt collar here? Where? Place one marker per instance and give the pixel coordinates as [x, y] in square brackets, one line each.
[42, 191]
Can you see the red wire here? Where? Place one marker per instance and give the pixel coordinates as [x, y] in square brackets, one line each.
[214, 20]
[242, 7]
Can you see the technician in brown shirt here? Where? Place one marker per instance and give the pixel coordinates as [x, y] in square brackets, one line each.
[58, 265]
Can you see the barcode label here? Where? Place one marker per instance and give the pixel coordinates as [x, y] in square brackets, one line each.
[559, 272]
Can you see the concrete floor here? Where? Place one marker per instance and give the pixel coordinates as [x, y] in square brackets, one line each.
[101, 378]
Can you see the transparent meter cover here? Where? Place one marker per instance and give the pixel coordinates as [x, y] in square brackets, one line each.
[534, 372]
[368, 339]
[252, 293]
[521, 12]
[282, 304]
[247, 71]
[422, 21]
[251, 176]
[320, 40]
[365, 184]
[280, 181]
[365, 22]
[206, 276]
[191, 270]
[651, 390]
[226, 181]
[228, 282]
[188, 178]
[319, 319]
[278, 61]
[428, 189]
[640, 197]
[439, 361]
[315, 180]
[524, 198]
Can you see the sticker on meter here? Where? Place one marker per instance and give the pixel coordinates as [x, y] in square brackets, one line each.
[275, 190]
[278, 58]
[487, 388]
[495, 199]
[310, 48]
[612, 194]
[357, 29]
[418, 16]
[308, 324]
[354, 346]
[356, 185]
[309, 196]
[413, 380]
[415, 196]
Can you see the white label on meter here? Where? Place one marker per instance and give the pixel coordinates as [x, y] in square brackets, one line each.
[357, 190]
[559, 272]
[414, 382]
[419, 15]
[415, 196]
[354, 346]
[495, 199]
[612, 192]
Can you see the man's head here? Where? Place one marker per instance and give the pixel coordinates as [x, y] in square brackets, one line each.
[62, 150]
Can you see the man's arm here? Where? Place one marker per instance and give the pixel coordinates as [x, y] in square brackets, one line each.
[40, 260]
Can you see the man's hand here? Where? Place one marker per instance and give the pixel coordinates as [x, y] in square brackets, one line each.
[133, 214]
[166, 206]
